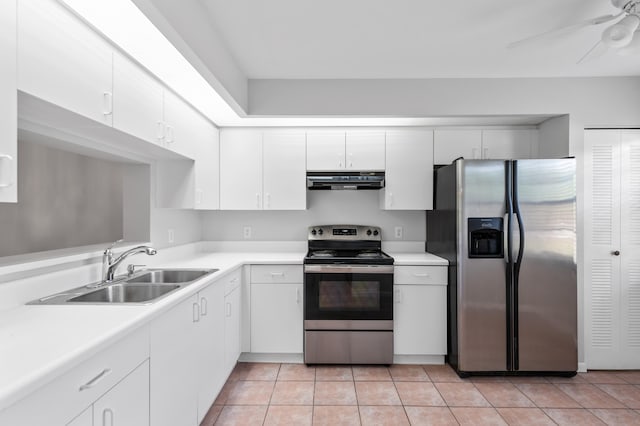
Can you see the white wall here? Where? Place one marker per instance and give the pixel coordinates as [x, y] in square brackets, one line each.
[324, 208]
[596, 102]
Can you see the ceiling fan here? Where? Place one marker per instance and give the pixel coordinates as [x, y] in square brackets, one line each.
[623, 35]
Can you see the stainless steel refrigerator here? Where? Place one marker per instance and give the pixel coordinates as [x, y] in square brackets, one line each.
[508, 229]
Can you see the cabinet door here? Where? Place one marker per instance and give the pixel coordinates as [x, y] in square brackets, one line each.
[208, 346]
[365, 150]
[240, 169]
[127, 403]
[276, 318]
[284, 174]
[507, 144]
[174, 370]
[63, 61]
[8, 104]
[137, 101]
[420, 320]
[409, 174]
[84, 419]
[451, 144]
[181, 125]
[207, 167]
[325, 151]
[232, 330]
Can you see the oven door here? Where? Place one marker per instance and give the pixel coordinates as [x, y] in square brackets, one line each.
[348, 292]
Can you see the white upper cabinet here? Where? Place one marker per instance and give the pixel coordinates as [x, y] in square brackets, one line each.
[8, 104]
[182, 127]
[451, 144]
[365, 151]
[63, 61]
[284, 172]
[240, 169]
[508, 144]
[137, 101]
[207, 167]
[409, 171]
[325, 151]
[502, 144]
[257, 175]
[357, 150]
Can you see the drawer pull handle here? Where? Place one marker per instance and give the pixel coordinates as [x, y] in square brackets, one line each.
[398, 296]
[196, 312]
[91, 383]
[421, 275]
[277, 274]
[203, 306]
[235, 280]
[228, 306]
[105, 412]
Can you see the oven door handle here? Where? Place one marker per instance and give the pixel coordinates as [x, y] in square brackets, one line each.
[349, 269]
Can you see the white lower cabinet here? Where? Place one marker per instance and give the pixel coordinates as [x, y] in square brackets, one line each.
[232, 312]
[420, 310]
[110, 372]
[276, 309]
[126, 404]
[84, 419]
[187, 358]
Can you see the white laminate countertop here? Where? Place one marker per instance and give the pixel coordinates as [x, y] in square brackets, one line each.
[417, 259]
[41, 342]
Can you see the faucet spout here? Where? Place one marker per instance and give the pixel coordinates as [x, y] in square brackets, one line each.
[110, 265]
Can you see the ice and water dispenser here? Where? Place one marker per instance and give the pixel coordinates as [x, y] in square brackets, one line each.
[486, 236]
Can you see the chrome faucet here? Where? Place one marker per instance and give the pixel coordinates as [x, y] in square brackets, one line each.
[109, 265]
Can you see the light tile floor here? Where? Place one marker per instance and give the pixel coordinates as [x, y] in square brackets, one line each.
[294, 394]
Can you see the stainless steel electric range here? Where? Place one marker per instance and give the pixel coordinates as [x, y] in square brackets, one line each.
[348, 296]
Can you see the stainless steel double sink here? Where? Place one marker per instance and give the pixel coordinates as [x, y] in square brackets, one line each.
[144, 287]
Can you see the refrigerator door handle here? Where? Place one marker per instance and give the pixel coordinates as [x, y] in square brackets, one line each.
[511, 352]
[517, 263]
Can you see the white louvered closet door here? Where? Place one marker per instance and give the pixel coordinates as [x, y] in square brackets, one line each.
[612, 256]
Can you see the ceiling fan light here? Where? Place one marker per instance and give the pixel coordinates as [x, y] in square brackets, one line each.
[633, 48]
[620, 34]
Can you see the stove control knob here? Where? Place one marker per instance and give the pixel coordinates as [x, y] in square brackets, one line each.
[368, 231]
[313, 232]
[375, 232]
[320, 231]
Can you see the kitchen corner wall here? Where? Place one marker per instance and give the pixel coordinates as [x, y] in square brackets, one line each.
[323, 208]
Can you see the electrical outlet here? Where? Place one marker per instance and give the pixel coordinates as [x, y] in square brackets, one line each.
[171, 235]
[246, 232]
[398, 232]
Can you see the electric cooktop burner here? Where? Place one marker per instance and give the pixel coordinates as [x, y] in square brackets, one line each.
[346, 244]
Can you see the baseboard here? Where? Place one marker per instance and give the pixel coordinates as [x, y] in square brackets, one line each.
[262, 357]
[418, 359]
[582, 367]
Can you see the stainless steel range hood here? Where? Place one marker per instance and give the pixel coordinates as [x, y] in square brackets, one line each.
[345, 180]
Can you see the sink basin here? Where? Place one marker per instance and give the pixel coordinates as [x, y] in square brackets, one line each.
[126, 293]
[144, 287]
[170, 275]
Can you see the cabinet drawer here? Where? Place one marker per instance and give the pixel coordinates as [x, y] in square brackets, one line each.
[62, 399]
[269, 274]
[434, 275]
[232, 281]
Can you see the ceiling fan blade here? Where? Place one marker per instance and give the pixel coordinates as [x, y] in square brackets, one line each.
[564, 30]
[596, 51]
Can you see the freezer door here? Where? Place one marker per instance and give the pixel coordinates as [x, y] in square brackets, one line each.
[546, 285]
[481, 284]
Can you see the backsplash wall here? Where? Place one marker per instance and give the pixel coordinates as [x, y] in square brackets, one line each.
[64, 200]
[323, 208]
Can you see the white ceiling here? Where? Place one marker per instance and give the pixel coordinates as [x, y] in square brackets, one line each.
[360, 39]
